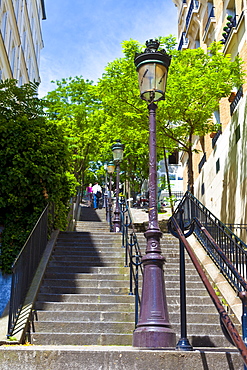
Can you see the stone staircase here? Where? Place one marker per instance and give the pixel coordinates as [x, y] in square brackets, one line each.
[203, 326]
[86, 316]
[84, 297]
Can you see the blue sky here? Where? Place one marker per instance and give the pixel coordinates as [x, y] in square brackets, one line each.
[82, 36]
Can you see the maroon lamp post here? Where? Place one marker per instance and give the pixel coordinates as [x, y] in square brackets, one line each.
[153, 328]
[117, 150]
[110, 170]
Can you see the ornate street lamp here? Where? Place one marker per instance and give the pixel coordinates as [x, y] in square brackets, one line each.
[110, 170]
[117, 150]
[153, 328]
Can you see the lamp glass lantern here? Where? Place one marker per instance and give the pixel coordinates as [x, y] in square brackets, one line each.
[117, 150]
[152, 67]
[110, 167]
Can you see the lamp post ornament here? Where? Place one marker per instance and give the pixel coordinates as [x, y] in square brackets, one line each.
[153, 328]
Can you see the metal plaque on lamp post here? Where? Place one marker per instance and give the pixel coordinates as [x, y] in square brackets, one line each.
[153, 328]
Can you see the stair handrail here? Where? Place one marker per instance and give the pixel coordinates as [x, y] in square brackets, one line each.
[231, 246]
[224, 317]
[133, 256]
[25, 266]
[227, 268]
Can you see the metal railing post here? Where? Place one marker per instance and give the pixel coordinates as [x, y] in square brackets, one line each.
[183, 343]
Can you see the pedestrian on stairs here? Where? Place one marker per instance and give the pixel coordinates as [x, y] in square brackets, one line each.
[97, 192]
[89, 191]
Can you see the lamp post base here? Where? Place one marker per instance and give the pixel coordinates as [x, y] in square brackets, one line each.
[154, 337]
[153, 328]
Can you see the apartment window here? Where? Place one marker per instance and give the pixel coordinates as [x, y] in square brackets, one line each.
[20, 82]
[231, 8]
[217, 165]
[4, 24]
[202, 162]
[203, 188]
[173, 158]
[17, 3]
[12, 58]
[237, 133]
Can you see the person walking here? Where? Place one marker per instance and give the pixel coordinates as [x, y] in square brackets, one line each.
[89, 191]
[97, 192]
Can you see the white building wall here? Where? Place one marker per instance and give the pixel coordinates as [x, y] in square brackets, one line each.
[21, 39]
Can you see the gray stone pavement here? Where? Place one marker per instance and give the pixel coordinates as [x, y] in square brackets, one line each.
[140, 215]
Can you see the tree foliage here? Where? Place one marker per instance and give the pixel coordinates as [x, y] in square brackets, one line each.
[75, 107]
[34, 167]
[196, 83]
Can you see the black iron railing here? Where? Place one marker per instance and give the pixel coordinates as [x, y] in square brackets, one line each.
[132, 253]
[177, 227]
[211, 15]
[25, 266]
[216, 137]
[194, 5]
[236, 100]
[233, 248]
[183, 41]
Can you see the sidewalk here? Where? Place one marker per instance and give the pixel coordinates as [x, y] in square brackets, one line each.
[140, 215]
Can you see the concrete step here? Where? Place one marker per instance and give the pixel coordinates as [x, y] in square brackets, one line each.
[175, 291]
[192, 300]
[211, 340]
[86, 306]
[105, 316]
[86, 298]
[82, 327]
[90, 269]
[85, 263]
[88, 275]
[88, 251]
[194, 317]
[87, 259]
[90, 235]
[200, 329]
[77, 339]
[44, 357]
[100, 283]
[84, 290]
[206, 309]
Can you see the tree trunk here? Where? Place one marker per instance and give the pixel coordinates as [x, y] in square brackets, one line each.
[190, 171]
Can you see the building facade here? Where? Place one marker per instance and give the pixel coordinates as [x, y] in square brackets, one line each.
[220, 167]
[21, 39]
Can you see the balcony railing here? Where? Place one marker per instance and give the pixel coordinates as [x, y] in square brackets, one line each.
[211, 15]
[194, 5]
[201, 163]
[183, 43]
[236, 100]
[216, 137]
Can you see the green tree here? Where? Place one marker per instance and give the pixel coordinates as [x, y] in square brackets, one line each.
[34, 167]
[196, 83]
[127, 114]
[75, 107]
